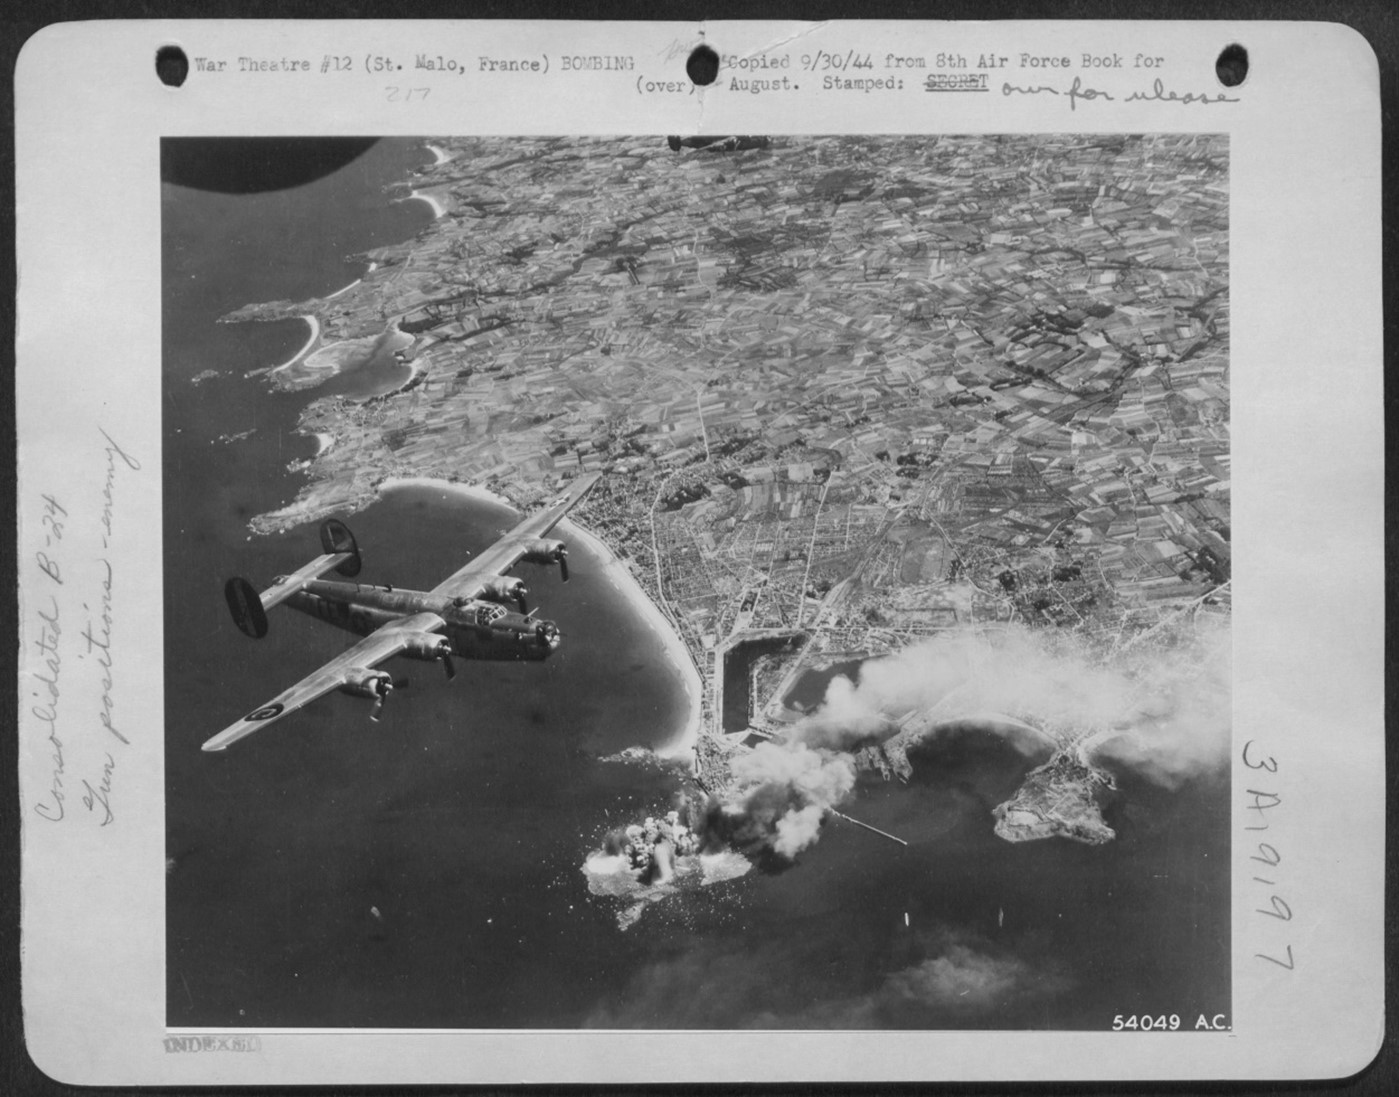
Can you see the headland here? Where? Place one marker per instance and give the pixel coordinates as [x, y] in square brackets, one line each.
[846, 393]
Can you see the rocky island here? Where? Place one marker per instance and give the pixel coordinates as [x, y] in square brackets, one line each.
[1058, 799]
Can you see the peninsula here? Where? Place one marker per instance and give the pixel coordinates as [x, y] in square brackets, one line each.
[848, 392]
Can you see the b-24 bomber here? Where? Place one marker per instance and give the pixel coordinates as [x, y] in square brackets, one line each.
[467, 615]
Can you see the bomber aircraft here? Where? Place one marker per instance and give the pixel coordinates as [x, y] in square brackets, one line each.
[466, 614]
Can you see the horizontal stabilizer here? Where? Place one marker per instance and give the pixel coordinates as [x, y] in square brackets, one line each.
[246, 607]
[336, 539]
[249, 609]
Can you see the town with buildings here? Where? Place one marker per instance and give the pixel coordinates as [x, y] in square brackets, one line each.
[846, 392]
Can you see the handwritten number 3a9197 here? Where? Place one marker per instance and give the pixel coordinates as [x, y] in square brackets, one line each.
[1270, 856]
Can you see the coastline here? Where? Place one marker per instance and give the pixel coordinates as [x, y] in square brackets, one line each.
[470, 491]
[687, 738]
[335, 358]
[441, 155]
[501, 767]
[438, 209]
[311, 342]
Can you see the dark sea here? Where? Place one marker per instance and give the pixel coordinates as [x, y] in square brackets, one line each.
[425, 871]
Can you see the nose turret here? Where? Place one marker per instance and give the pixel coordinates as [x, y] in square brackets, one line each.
[547, 633]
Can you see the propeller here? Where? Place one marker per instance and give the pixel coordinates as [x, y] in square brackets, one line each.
[444, 652]
[562, 557]
[382, 688]
[520, 599]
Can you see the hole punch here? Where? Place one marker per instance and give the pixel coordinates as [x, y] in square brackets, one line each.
[171, 65]
[702, 66]
[1232, 66]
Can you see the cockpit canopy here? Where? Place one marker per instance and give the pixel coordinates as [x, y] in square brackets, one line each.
[487, 613]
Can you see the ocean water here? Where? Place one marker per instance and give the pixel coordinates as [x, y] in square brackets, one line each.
[425, 871]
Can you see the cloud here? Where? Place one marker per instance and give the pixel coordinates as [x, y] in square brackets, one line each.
[961, 979]
[779, 985]
[707, 985]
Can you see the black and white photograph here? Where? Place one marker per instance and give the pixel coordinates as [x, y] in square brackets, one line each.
[877, 672]
[699, 553]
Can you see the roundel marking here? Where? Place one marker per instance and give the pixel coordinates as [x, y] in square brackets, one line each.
[264, 713]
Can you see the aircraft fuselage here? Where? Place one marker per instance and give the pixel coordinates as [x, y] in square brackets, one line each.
[478, 628]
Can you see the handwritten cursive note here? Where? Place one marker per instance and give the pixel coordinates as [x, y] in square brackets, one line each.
[1079, 92]
[71, 595]
[46, 674]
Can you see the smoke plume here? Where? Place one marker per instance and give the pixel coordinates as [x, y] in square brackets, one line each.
[1161, 708]
[779, 797]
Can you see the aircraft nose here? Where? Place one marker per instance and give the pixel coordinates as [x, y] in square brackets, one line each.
[548, 634]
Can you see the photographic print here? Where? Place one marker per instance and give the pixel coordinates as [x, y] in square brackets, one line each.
[749, 582]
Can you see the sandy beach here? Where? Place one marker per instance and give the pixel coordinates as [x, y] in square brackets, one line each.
[626, 585]
[311, 342]
[313, 369]
[470, 491]
[438, 209]
[683, 744]
[440, 154]
[333, 358]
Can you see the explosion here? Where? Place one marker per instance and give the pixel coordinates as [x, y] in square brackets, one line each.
[1159, 706]
[771, 812]
[646, 862]
[779, 797]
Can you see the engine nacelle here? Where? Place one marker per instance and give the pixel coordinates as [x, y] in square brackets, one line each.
[506, 589]
[545, 551]
[364, 682]
[427, 646]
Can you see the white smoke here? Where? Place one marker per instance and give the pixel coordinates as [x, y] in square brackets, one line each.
[817, 775]
[780, 794]
[1162, 708]
[798, 829]
[1179, 724]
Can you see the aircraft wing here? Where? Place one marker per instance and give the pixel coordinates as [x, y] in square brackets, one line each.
[379, 645]
[506, 552]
